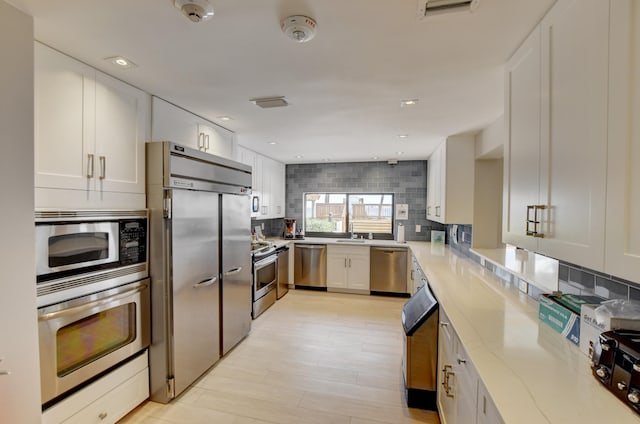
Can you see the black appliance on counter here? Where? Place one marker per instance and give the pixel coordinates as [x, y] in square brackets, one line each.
[420, 357]
[616, 364]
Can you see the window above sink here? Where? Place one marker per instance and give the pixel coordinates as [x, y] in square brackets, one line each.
[348, 214]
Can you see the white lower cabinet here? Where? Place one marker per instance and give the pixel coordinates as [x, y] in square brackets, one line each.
[462, 397]
[106, 400]
[348, 268]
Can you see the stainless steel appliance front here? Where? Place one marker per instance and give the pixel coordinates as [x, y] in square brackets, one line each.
[282, 287]
[389, 270]
[81, 338]
[265, 278]
[310, 265]
[191, 220]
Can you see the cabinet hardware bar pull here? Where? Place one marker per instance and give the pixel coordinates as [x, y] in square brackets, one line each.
[103, 167]
[438, 211]
[90, 165]
[102, 415]
[206, 137]
[345, 262]
[5, 372]
[201, 141]
[535, 221]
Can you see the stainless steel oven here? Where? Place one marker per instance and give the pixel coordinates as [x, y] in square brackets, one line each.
[81, 338]
[265, 278]
[93, 295]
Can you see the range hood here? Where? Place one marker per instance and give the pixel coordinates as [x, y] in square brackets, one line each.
[428, 8]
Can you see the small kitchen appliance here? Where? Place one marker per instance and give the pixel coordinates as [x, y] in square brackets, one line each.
[289, 228]
[616, 364]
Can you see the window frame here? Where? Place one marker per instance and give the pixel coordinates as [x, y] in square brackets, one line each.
[346, 234]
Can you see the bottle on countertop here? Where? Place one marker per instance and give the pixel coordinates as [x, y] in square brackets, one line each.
[400, 233]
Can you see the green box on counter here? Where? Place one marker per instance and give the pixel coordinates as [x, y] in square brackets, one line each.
[562, 313]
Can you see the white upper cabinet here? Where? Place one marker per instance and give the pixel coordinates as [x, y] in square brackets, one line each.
[172, 123]
[268, 183]
[450, 172]
[555, 156]
[90, 129]
[623, 175]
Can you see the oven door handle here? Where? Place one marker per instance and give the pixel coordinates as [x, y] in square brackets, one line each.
[266, 261]
[206, 282]
[233, 271]
[93, 304]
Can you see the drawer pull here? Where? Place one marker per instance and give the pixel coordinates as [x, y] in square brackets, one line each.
[102, 415]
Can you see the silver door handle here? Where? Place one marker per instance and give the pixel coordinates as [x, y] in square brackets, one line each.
[233, 271]
[201, 141]
[205, 282]
[103, 167]
[345, 262]
[5, 372]
[90, 305]
[206, 138]
[90, 165]
[349, 262]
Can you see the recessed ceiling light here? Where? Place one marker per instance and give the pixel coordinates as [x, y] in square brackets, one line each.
[298, 156]
[403, 136]
[121, 62]
[375, 158]
[399, 153]
[225, 118]
[325, 159]
[273, 142]
[408, 102]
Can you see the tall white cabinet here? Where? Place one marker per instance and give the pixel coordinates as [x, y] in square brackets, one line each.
[90, 131]
[19, 363]
[623, 172]
[555, 158]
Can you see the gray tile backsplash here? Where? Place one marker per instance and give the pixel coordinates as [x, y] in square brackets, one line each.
[407, 180]
[580, 280]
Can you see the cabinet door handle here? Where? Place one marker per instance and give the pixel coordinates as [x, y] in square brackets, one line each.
[535, 221]
[349, 262]
[345, 262]
[201, 141]
[103, 167]
[428, 210]
[102, 415]
[437, 211]
[90, 165]
[206, 137]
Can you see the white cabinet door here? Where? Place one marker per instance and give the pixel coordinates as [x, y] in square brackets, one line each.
[266, 167]
[487, 411]
[172, 123]
[573, 153]
[336, 269]
[623, 174]
[64, 121]
[359, 269]
[466, 385]
[121, 116]
[433, 184]
[278, 188]
[216, 140]
[522, 147]
[248, 157]
[446, 397]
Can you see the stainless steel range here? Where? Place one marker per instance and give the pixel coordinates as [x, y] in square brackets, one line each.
[265, 278]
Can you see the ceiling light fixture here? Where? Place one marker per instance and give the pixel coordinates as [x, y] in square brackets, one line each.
[121, 62]
[299, 28]
[399, 153]
[195, 10]
[225, 118]
[408, 102]
[273, 143]
[403, 136]
[298, 156]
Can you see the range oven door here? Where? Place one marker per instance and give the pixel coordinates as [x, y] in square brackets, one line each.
[81, 338]
[265, 276]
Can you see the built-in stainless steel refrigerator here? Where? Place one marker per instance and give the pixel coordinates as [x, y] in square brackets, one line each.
[200, 263]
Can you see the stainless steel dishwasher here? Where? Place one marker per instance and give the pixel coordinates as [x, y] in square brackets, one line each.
[310, 266]
[389, 270]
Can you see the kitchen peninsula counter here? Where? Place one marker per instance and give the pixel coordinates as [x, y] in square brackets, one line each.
[533, 374]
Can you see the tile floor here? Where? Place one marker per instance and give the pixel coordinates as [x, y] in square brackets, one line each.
[312, 358]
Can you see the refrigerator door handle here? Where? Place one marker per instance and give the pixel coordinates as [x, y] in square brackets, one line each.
[233, 271]
[206, 282]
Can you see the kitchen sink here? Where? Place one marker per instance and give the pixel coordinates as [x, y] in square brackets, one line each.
[350, 241]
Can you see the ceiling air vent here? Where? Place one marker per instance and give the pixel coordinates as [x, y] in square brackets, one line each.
[428, 8]
[269, 102]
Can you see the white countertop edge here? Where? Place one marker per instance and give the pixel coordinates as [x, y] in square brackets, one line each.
[533, 374]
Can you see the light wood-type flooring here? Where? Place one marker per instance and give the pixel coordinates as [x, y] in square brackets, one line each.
[312, 358]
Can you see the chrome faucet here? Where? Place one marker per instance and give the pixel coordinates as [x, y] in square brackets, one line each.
[353, 235]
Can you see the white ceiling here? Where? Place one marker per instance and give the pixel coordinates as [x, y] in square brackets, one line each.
[344, 86]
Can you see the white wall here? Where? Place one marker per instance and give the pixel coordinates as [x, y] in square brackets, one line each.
[490, 141]
[19, 391]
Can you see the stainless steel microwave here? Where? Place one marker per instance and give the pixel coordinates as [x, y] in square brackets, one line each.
[84, 249]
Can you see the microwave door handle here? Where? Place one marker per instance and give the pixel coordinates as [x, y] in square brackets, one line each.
[233, 271]
[90, 305]
[206, 282]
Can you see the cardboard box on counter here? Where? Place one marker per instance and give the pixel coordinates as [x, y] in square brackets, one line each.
[590, 329]
[562, 313]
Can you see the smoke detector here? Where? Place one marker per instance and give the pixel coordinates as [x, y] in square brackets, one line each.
[299, 28]
[195, 10]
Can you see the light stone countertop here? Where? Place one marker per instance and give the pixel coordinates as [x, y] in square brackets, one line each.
[342, 241]
[533, 374]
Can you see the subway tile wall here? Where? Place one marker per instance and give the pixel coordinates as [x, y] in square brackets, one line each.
[272, 227]
[580, 280]
[407, 180]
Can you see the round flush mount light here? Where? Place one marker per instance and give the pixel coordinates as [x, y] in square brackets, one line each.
[299, 28]
[195, 10]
